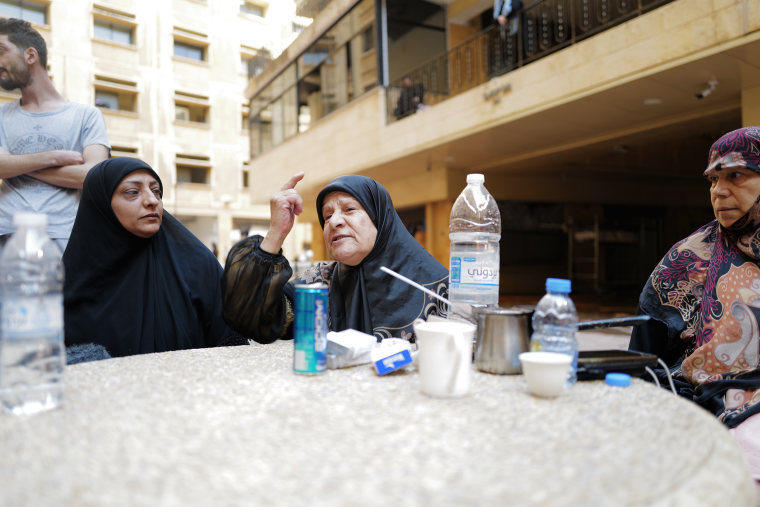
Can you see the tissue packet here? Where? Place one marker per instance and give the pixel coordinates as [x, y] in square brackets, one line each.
[349, 348]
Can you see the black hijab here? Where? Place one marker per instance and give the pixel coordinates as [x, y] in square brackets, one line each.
[365, 298]
[138, 295]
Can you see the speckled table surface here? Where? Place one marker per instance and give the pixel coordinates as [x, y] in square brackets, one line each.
[235, 426]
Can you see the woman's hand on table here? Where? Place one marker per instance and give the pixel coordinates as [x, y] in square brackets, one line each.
[283, 206]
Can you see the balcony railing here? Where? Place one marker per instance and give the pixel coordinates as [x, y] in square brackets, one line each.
[543, 27]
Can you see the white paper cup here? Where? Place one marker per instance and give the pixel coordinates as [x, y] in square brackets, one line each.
[545, 372]
[444, 359]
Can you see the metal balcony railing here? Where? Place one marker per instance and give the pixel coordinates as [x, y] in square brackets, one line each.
[541, 28]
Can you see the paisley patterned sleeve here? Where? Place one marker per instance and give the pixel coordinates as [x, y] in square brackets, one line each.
[254, 287]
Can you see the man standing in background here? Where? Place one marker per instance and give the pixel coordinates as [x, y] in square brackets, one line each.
[47, 143]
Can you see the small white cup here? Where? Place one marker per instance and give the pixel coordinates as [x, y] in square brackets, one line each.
[545, 372]
[444, 359]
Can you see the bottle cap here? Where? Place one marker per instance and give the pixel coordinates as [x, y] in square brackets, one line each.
[558, 285]
[475, 178]
[618, 379]
[26, 219]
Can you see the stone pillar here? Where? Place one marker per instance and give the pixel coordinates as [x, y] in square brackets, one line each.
[437, 229]
[318, 242]
[224, 228]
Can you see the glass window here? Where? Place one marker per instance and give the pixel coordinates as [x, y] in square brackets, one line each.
[334, 70]
[115, 94]
[114, 32]
[191, 112]
[106, 100]
[368, 40]
[245, 178]
[251, 8]
[192, 174]
[190, 51]
[244, 117]
[22, 9]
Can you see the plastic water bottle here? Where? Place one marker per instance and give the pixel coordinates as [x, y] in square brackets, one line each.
[32, 353]
[554, 323]
[474, 231]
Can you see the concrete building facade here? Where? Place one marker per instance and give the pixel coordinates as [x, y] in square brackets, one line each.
[594, 146]
[169, 76]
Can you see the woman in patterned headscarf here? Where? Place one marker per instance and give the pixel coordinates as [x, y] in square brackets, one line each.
[704, 297]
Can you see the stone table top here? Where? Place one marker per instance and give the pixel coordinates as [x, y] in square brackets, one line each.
[236, 426]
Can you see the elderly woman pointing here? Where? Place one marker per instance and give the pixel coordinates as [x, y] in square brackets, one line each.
[362, 232]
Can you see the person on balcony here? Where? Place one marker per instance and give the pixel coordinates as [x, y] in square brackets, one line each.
[410, 99]
[704, 298]
[137, 281]
[362, 232]
[503, 44]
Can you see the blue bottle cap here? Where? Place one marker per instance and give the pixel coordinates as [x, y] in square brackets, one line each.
[558, 285]
[618, 379]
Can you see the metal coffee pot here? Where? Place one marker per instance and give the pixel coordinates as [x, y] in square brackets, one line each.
[502, 335]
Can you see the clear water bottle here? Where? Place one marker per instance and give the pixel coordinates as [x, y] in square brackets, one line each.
[32, 353]
[554, 323]
[474, 231]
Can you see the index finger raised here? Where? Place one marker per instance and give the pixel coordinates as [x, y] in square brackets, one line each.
[291, 183]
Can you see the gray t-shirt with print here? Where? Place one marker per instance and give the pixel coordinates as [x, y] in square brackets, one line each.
[72, 127]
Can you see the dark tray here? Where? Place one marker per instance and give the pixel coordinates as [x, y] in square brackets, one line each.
[595, 364]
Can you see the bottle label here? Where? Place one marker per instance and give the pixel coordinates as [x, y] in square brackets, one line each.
[31, 315]
[474, 269]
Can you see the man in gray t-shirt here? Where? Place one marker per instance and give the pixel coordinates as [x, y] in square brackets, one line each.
[47, 144]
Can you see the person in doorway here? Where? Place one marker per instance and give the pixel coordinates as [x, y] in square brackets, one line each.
[137, 281]
[410, 98]
[47, 143]
[704, 298]
[362, 232]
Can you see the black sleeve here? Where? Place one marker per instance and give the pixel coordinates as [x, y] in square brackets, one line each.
[254, 292]
[653, 337]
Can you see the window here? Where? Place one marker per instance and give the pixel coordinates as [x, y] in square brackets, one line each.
[190, 51]
[22, 9]
[246, 175]
[258, 63]
[193, 169]
[115, 94]
[368, 39]
[189, 174]
[191, 108]
[123, 151]
[252, 8]
[247, 55]
[114, 32]
[190, 45]
[244, 116]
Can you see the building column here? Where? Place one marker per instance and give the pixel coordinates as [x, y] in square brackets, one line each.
[751, 106]
[437, 229]
[224, 230]
[318, 242]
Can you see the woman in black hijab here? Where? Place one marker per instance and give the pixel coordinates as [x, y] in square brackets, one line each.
[362, 232]
[137, 281]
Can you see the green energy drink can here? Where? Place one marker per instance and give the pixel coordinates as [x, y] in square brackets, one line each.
[310, 329]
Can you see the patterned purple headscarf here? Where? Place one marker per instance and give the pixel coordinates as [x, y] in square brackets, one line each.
[738, 149]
